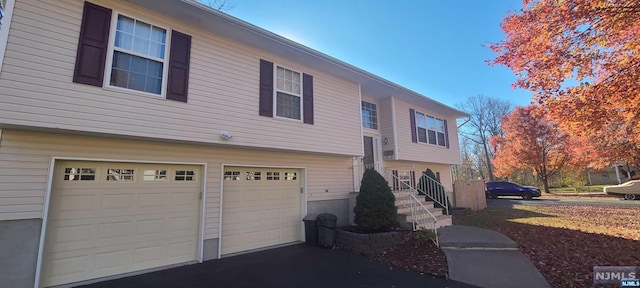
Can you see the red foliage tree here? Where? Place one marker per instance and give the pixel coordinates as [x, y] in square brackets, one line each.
[531, 141]
[582, 58]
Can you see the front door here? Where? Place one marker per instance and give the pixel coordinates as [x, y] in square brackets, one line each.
[368, 159]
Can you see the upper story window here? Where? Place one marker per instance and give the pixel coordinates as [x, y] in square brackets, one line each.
[285, 93]
[138, 56]
[369, 115]
[430, 129]
[288, 93]
[119, 51]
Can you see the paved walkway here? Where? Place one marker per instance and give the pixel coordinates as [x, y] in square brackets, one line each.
[487, 258]
[292, 266]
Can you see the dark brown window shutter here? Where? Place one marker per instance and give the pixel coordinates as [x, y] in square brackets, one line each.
[412, 118]
[179, 59]
[446, 133]
[266, 88]
[307, 98]
[92, 45]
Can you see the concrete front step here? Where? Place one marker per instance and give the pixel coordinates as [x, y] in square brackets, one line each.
[406, 200]
[420, 213]
[403, 193]
[406, 194]
[403, 202]
[427, 223]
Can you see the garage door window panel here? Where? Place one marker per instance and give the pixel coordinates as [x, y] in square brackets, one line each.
[155, 175]
[185, 175]
[273, 175]
[80, 174]
[254, 175]
[290, 176]
[232, 175]
[123, 175]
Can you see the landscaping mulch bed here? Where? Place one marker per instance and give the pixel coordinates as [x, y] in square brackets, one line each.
[410, 255]
[565, 242]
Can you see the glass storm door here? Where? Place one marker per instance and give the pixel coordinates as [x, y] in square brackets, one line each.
[368, 159]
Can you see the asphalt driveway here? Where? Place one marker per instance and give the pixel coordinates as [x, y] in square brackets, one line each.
[292, 266]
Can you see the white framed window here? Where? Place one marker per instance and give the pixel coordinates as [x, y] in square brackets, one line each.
[440, 133]
[137, 56]
[369, 115]
[421, 126]
[405, 180]
[288, 98]
[430, 129]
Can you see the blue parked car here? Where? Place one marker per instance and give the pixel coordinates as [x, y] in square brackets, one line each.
[503, 188]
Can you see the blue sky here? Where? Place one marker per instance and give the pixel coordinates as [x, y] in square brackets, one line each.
[431, 47]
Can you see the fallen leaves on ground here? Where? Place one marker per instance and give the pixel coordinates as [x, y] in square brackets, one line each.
[565, 242]
[580, 196]
[426, 258]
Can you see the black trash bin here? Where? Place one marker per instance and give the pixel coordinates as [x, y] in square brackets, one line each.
[327, 229]
[311, 229]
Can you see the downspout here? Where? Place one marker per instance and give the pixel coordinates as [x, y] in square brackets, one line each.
[395, 129]
[452, 167]
[465, 122]
[358, 160]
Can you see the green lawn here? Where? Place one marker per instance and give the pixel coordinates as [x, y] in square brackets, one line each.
[592, 188]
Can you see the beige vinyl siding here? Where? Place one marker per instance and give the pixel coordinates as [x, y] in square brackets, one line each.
[26, 157]
[37, 89]
[423, 152]
[419, 167]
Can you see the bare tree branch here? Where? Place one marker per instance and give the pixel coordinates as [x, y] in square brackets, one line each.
[220, 5]
[485, 114]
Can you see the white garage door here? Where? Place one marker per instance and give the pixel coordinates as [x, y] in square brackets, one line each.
[112, 218]
[261, 208]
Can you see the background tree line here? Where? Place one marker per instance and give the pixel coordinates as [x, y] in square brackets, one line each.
[581, 59]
